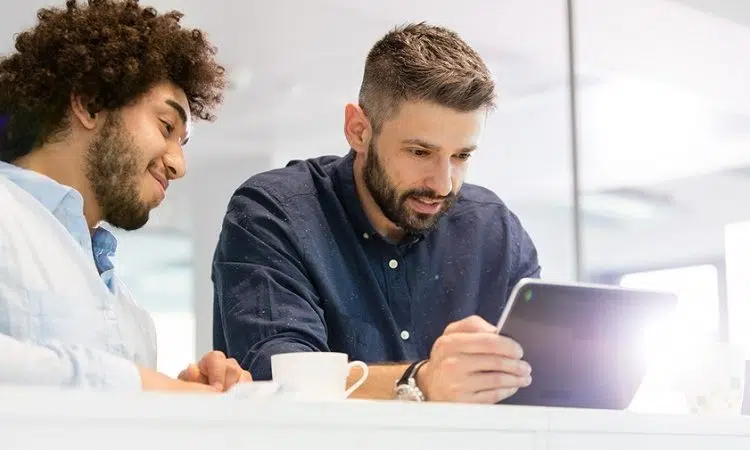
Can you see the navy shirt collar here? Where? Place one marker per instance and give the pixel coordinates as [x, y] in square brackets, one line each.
[346, 190]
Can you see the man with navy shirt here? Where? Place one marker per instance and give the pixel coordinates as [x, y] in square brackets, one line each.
[384, 253]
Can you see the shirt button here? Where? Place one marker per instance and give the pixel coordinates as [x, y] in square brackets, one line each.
[393, 264]
[366, 236]
[405, 335]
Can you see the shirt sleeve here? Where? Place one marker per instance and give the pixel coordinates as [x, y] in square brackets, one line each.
[57, 364]
[264, 301]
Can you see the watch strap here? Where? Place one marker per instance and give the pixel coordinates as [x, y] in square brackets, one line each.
[410, 372]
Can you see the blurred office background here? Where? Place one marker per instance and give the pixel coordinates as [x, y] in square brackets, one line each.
[648, 186]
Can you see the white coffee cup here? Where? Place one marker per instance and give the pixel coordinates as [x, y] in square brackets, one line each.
[316, 375]
[714, 382]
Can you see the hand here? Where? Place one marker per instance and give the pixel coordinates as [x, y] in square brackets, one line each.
[471, 363]
[216, 370]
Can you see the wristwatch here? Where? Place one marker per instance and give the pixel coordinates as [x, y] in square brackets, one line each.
[406, 386]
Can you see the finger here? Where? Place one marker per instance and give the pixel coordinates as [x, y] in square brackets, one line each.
[477, 343]
[232, 374]
[471, 324]
[246, 377]
[198, 387]
[493, 381]
[493, 363]
[492, 396]
[212, 365]
[191, 373]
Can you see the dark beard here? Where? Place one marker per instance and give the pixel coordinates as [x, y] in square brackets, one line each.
[112, 171]
[393, 204]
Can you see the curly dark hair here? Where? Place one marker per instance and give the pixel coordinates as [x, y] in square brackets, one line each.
[110, 53]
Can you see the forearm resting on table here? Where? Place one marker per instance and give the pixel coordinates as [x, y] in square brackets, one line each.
[380, 384]
[152, 380]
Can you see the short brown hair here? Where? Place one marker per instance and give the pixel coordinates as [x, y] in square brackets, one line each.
[423, 62]
[109, 52]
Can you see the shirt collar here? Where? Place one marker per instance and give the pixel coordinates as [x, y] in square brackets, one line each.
[45, 190]
[347, 192]
[66, 204]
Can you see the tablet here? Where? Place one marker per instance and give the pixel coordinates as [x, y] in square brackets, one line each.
[584, 342]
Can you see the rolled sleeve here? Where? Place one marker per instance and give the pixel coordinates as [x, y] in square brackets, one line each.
[52, 362]
[57, 364]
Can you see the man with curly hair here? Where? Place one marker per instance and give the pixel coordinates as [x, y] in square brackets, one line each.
[96, 104]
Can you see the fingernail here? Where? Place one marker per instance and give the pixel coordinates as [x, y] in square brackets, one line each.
[528, 380]
[218, 386]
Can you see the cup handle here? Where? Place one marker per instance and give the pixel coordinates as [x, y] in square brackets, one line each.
[360, 382]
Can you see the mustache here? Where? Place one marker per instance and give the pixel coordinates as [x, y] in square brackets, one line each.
[428, 194]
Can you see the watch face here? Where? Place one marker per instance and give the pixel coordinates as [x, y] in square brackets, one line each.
[406, 392]
[402, 392]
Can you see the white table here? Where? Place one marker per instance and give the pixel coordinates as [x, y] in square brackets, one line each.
[48, 419]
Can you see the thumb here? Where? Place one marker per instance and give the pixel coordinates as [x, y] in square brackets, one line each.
[471, 324]
[191, 373]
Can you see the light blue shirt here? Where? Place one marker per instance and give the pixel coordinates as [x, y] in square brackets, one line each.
[66, 204]
[65, 318]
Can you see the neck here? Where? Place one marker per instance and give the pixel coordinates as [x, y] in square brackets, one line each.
[65, 167]
[379, 221]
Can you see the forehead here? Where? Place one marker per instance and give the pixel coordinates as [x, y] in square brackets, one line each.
[435, 123]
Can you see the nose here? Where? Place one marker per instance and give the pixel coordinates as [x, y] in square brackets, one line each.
[440, 180]
[174, 162]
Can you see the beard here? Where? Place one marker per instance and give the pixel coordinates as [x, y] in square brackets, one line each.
[393, 203]
[112, 172]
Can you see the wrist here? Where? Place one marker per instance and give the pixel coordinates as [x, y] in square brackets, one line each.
[152, 380]
[406, 386]
[420, 379]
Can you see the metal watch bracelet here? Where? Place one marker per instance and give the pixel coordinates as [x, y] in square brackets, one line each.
[406, 387]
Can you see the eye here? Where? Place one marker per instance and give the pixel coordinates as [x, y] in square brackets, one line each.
[463, 156]
[168, 127]
[418, 152]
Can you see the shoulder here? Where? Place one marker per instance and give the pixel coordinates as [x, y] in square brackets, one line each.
[11, 200]
[493, 225]
[297, 178]
[281, 195]
[17, 226]
[478, 208]
[479, 203]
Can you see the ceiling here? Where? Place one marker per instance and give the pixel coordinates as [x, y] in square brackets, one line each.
[663, 104]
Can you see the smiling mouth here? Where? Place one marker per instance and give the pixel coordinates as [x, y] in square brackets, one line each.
[426, 206]
[161, 180]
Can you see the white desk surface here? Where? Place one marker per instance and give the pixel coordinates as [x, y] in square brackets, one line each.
[51, 419]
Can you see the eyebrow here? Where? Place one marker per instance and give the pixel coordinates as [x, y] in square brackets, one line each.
[429, 146]
[183, 116]
[180, 110]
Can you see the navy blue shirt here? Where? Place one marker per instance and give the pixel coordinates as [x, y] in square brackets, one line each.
[299, 267]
